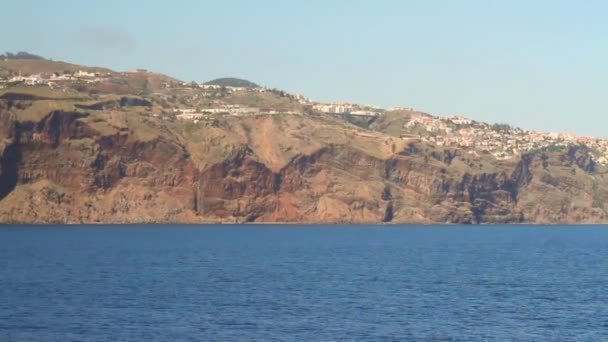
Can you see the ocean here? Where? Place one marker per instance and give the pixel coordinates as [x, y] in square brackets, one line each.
[304, 283]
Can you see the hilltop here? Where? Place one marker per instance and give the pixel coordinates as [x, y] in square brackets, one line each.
[232, 82]
[97, 145]
[20, 55]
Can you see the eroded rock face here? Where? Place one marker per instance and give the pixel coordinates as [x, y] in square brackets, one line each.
[340, 184]
[64, 168]
[98, 178]
[240, 189]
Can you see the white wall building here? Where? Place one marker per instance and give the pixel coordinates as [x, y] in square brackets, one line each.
[82, 73]
[29, 80]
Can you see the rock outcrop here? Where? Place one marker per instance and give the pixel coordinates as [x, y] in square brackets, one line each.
[98, 164]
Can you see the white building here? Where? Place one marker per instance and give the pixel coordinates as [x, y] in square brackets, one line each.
[235, 89]
[364, 113]
[214, 110]
[82, 73]
[400, 108]
[191, 116]
[29, 80]
[460, 120]
[57, 77]
[334, 108]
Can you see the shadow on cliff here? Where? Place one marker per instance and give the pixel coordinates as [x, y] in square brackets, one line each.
[9, 163]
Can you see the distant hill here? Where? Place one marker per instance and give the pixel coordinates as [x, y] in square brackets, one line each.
[232, 82]
[20, 55]
[29, 66]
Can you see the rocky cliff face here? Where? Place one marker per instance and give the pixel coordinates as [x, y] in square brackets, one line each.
[60, 169]
[94, 164]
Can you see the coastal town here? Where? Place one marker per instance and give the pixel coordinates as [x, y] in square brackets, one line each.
[501, 140]
[54, 80]
[204, 101]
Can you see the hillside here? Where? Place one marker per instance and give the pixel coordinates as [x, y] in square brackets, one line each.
[154, 149]
[11, 67]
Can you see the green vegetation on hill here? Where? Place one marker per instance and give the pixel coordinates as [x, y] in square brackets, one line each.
[267, 100]
[20, 55]
[232, 82]
[391, 123]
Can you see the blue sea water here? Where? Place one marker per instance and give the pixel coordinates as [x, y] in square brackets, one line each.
[303, 283]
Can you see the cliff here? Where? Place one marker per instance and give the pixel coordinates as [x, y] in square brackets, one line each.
[114, 151]
[86, 165]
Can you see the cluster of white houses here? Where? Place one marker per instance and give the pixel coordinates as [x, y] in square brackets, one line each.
[38, 79]
[503, 143]
[344, 108]
[234, 110]
[231, 89]
[401, 109]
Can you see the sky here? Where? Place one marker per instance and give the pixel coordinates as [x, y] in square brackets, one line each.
[536, 64]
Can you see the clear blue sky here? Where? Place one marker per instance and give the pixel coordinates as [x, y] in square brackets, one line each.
[537, 64]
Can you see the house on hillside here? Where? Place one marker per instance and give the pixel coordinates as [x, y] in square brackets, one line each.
[185, 110]
[82, 73]
[214, 110]
[364, 113]
[460, 120]
[245, 111]
[191, 116]
[400, 108]
[62, 77]
[334, 108]
[29, 80]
